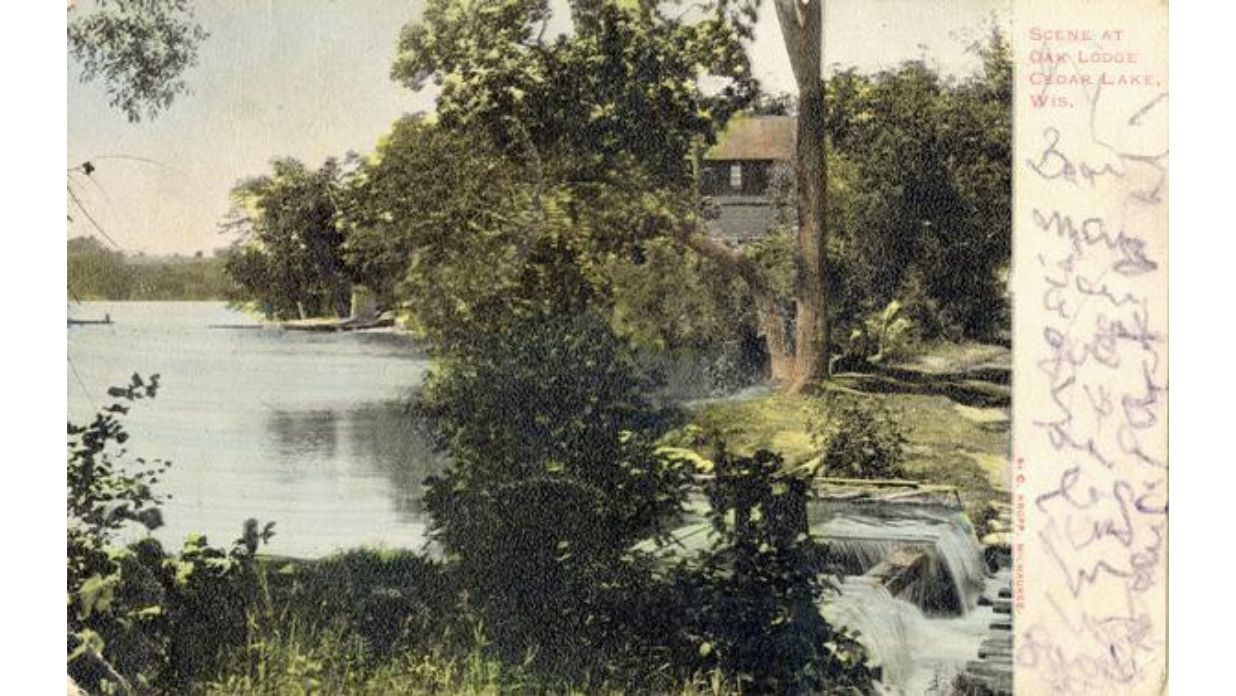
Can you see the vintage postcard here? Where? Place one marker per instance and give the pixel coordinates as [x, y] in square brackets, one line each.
[614, 346]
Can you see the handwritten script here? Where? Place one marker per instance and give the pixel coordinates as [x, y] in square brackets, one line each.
[1091, 441]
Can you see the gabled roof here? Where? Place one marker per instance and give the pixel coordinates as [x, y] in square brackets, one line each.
[749, 137]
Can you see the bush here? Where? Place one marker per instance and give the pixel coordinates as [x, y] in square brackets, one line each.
[553, 478]
[882, 337]
[138, 621]
[857, 440]
[752, 600]
[390, 601]
[136, 616]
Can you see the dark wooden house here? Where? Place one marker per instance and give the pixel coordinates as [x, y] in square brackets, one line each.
[737, 172]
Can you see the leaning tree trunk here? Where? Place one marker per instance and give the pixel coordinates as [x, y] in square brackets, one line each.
[801, 30]
[772, 325]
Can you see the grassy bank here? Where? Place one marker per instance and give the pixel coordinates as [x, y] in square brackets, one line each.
[947, 443]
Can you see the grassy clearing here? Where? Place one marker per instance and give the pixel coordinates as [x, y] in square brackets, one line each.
[947, 443]
[950, 358]
[776, 422]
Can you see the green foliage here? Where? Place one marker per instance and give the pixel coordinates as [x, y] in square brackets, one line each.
[290, 259]
[882, 337]
[179, 279]
[752, 600]
[669, 299]
[137, 620]
[138, 48]
[421, 189]
[331, 662]
[540, 184]
[553, 478]
[857, 440]
[136, 615]
[391, 602]
[590, 95]
[924, 214]
[465, 235]
[442, 221]
[94, 271]
[103, 494]
[98, 273]
[545, 394]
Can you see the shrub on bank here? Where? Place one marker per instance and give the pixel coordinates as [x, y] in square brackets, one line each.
[553, 478]
[137, 615]
[857, 438]
[754, 595]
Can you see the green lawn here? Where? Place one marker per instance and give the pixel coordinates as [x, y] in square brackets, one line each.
[946, 442]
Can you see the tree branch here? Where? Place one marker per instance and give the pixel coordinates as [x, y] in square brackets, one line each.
[691, 235]
[771, 321]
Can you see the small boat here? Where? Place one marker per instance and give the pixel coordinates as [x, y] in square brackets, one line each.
[107, 319]
[336, 325]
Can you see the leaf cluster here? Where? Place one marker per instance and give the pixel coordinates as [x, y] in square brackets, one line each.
[139, 49]
[136, 614]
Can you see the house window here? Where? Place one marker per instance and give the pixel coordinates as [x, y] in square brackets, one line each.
[736, 176]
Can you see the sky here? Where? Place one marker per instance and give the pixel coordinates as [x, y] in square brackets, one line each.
[310, 79]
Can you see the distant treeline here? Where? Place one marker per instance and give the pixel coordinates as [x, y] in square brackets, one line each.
[96, 272]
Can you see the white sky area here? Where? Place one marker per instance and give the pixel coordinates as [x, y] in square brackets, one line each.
[310, 79]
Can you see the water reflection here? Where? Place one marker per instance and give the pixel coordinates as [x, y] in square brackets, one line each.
[299, 435]
[384, 437]
[308, 430]
[375, 440]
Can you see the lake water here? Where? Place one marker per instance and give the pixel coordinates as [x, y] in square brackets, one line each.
[308, 430]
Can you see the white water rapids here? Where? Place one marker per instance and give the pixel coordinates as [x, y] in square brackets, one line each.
[924, 637]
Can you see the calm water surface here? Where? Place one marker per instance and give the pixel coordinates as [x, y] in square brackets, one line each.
[308, 430]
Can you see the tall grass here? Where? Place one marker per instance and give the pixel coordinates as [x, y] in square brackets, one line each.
[290, 661]
[291, 652]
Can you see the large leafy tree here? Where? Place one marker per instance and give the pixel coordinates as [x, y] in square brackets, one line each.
[442, 216]
[925, 217]
[620, 98]
[289, 258]
[611, 116]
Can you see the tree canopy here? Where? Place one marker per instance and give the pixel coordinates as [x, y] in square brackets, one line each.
[588, 97]
[138, 49]
[557, 171]
[290, 257]
[925, 215]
